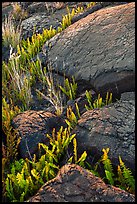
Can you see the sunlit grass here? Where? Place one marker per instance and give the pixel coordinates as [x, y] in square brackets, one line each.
[11, 34]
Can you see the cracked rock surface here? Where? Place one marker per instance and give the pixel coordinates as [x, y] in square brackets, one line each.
[99, 49]
[111, 127]
[75, 184]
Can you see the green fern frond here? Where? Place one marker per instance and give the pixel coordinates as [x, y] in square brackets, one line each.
[82, 159]
[127, 174]
[77, 110]
[75, 149]
[107, 166]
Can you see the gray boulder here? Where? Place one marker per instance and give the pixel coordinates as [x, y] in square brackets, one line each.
[111, 126]
[98, 49]
[75, 184]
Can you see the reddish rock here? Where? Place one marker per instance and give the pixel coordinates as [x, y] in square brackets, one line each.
[33, 127]
[75, 184]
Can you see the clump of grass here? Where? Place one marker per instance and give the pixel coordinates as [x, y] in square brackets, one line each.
[11, 34]
[17, 12]
[53, 93]
[20, 81]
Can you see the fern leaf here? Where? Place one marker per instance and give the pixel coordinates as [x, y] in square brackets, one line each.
[106, 161]
[127, 174]
[110, 99]
[109, 177]
[77, 110]
[20, 179]
[82, 158]
[70, 160]
[35, 174]
[9, 189]
[75, 149]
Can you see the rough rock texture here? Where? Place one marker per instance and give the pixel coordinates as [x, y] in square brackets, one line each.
[75, 184]
[33, 127]
[112, 126]
[99, 49]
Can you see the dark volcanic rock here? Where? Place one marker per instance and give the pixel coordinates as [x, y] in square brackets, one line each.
[113, 127]
[33, 127]
[99, 49]
[75, 184]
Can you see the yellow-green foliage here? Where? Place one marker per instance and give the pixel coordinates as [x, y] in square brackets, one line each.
[98, 103]
[8, 112]
[26, 176]
[69, 88]
[10, 137]
[107, 166]
[74, 158]
[123, 179]
[71, 118]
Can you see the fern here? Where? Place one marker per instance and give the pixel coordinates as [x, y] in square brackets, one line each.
[98, 103]
[71, 118]
[108, 166]
[127, 175]
[82, 158]
[69, 88]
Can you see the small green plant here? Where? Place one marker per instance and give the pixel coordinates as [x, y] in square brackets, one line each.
[38, 73]
[98, 103]
[60, 141]
[74, 158]
[71, 118]
[108, 166]
[66, 21]
[125, 177]
[69, 88]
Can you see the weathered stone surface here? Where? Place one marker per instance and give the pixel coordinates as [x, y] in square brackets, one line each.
[113, 127]
[75, 184]
[99, 49]
[33, 127]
